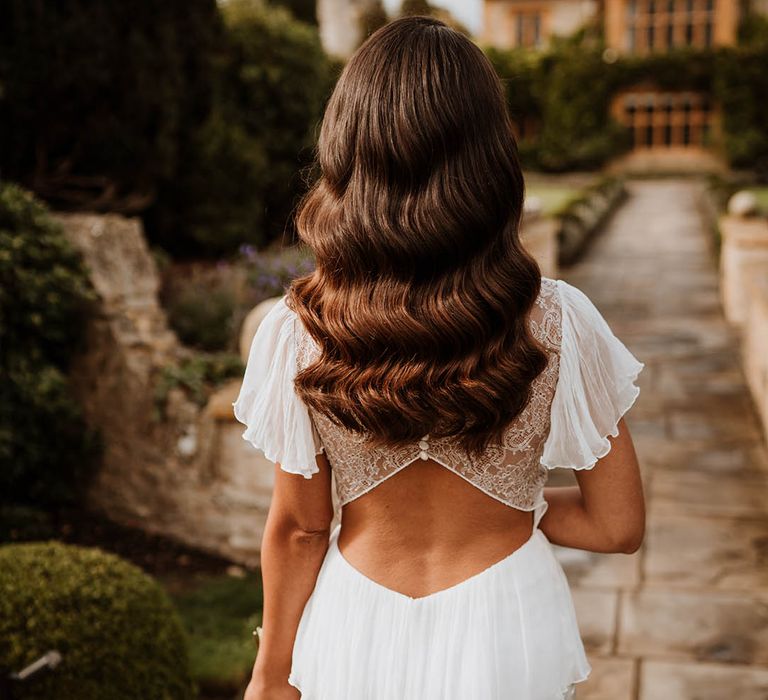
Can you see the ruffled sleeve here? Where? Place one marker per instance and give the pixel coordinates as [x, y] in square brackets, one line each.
[595, 387]
[278, 422]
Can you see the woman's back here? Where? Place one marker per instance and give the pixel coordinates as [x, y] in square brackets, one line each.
[426, 529]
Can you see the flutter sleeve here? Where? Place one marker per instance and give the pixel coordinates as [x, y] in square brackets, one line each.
[595, 387]
[277, 421]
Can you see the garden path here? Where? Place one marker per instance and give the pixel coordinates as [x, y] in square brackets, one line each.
[686, 617]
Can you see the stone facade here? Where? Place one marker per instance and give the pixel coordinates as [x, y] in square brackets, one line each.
[532, 23]
[640, 26]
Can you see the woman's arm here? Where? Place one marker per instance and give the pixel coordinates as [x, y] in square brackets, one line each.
[606, 511]
[293, 547]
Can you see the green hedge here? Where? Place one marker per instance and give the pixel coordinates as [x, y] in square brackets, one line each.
[240, 170]
[46, 451]
[95, 95]
[119, 635]
[583, 216]
[197, 115]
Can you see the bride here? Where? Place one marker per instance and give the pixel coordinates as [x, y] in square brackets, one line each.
[428, 375]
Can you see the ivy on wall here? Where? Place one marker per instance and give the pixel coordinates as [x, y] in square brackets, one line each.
[568, 91]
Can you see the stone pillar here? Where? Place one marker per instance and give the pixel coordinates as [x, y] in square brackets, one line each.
[744, 252]
[539, 237]
[755, 347]
[340, 28]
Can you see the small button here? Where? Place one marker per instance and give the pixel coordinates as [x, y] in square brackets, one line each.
[423, 455]
[424, 445]
[426, 437]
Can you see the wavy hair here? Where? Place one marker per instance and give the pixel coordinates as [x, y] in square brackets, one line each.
[420, 298]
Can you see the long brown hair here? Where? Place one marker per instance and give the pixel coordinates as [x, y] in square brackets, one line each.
[421, 293]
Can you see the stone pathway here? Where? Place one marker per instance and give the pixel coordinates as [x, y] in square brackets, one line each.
[686, 618]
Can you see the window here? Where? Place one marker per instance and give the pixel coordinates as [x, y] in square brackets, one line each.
[528, 29]
[665, 119]
[663, 24]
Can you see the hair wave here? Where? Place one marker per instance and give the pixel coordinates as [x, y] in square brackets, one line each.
[422, 290]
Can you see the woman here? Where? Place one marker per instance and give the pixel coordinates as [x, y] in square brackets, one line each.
[428, 367]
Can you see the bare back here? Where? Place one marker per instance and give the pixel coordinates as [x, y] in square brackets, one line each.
[425, 529]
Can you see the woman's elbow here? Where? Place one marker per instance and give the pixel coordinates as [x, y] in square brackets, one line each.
[627, 540]
[630, 544]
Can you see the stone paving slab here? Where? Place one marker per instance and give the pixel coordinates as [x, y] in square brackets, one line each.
[671, 681]
[694, 552]
[611, 679]
[703, 494]
[588, 569]
[694, 625]
[596, 611]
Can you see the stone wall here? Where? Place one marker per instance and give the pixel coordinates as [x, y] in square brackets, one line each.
[189, 476]
[744, 289]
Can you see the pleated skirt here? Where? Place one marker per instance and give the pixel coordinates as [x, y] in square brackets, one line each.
[507, 633]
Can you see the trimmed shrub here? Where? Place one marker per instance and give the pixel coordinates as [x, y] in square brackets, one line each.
[582, 217]
[119, 636]
[46, 450]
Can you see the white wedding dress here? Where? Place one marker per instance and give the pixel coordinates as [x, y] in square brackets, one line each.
[507, 633]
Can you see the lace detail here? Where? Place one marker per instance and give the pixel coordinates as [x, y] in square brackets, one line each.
[510, 471]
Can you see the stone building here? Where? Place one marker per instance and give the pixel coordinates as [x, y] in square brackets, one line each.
[532, 23]
[666, 127]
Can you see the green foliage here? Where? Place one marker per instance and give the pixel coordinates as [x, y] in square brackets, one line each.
[303, 10]
[202, 304]
[554, 197]
[198, 375]
[416, 7]
[373, 17]
[46, 451]
[740, 84]
[200, 124]
[94, 96]
[220, 614]
[522, 75]
[207, 303]
[116, 629]
[753, 29]
[577, 132]
[240, 172]
[22, 523]
[269, 274]
[584, 215]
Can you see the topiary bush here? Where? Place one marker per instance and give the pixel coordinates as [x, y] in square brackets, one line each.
[119, 635]
[46, 450]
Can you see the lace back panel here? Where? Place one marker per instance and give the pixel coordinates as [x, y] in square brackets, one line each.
[509, 472]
